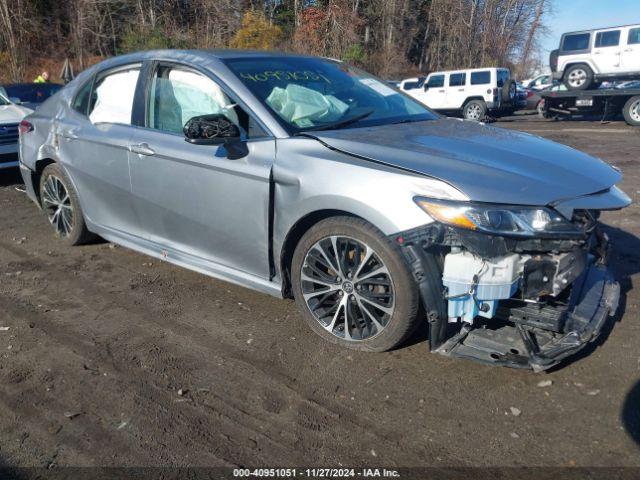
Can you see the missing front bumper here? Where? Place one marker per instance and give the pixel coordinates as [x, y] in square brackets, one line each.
[521, 334]
[515, 342]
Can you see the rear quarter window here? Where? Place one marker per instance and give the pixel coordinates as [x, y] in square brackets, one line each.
[576, 42]
[81, 100]
[480, 78]
[634, 36]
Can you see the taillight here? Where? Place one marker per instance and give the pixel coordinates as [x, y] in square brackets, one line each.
[25, 127]
[530, 94]
[495, 91]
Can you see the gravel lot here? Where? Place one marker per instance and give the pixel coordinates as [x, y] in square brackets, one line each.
[114, 358]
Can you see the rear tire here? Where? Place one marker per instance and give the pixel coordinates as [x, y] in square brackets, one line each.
[339, 307]
[542, 112]
[60, 203]
[578, 77]
[475, 110]
[631, 111]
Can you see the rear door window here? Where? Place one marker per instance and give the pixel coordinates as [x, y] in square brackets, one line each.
[634, 36]
[436, 81]
[608, 39]
[576, 42]
[481, 78]
[457, 79]
[112, 98]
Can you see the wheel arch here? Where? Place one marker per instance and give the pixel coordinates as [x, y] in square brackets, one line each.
[295, 234]
[573, 63]
[36, 173]
[474, 97]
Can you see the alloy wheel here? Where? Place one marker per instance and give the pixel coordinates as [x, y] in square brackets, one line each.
[634, 111]
[474, 112]
[577, 77]
[57, 205]
[347, 288]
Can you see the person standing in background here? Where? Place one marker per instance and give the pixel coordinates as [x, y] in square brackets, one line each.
[42, 78]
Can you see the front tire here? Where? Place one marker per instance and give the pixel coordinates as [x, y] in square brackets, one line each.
[353, 286]
[578, 77]
[59, 201]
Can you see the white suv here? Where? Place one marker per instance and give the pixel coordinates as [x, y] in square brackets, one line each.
[473, 92]
[586, 58]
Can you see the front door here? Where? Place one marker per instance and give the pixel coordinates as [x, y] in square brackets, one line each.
[435, 94]
[193, 198]
[606, 51]
[631, 51]
[93, 140]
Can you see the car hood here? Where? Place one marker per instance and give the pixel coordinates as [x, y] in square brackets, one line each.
[487, 164]
[13, 113]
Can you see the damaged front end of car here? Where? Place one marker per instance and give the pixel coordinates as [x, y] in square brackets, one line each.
[523, 287]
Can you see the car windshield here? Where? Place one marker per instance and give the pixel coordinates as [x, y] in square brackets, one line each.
[313, 94]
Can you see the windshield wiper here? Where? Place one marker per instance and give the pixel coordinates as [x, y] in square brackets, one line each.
[341, 123]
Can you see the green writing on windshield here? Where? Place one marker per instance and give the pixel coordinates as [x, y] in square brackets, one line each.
[280, 75]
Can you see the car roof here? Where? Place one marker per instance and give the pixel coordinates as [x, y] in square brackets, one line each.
[222, 54]
[190, 56]
[462, 70]
[589, 30]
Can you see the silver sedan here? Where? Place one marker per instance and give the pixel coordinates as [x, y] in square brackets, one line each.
[304, 177]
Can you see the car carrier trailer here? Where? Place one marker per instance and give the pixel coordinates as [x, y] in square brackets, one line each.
[607, 102]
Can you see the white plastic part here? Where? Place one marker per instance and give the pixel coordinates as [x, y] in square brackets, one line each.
[498, 279]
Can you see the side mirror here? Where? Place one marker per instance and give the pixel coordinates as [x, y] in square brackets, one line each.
[215, 129]
[426, 87]
[15, 100]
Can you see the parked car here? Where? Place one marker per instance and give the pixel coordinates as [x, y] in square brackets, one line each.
[31, 95]
[10, 116]
[521, 97]
[472, 93]
[630, 84]
[588, 57]
[539, 82]
[303, 177]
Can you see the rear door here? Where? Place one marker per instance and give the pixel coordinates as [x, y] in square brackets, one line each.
[457, 90]
[93, 140]
[631, 51]
[435, 93]
[606, 51]
[193, 198]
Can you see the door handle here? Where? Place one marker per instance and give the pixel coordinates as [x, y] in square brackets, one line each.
[142, 149]
[628, 49]
[461, 89]
[441, 91]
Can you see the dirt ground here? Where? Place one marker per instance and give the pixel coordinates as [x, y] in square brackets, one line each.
[116, 359]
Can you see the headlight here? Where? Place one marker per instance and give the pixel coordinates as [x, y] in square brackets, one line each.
[499, 219]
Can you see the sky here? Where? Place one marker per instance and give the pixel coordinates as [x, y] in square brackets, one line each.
[571, 15]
